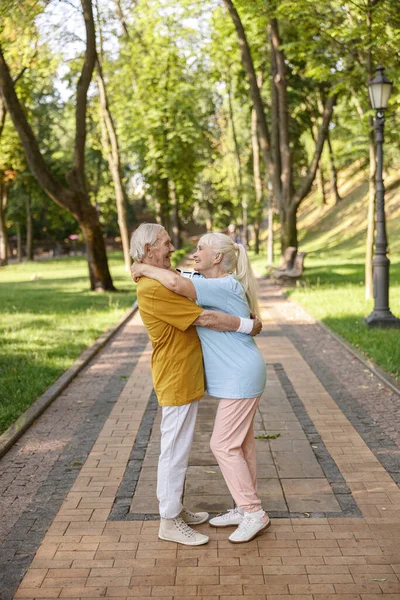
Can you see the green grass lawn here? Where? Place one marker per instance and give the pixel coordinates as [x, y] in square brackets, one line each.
[46, 323]
[334, 293]
[332, 287]
[332, 290]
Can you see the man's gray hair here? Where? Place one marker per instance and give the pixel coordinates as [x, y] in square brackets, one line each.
[146, 233]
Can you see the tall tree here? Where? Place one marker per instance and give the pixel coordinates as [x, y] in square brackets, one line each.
[110, 138]
[258, 181]
[287, 195]
[4, 247]
[73, 196]
[111, 147]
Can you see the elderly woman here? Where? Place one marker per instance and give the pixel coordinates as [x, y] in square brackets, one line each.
[234, 368]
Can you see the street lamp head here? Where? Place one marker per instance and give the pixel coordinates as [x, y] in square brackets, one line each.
[379, 89]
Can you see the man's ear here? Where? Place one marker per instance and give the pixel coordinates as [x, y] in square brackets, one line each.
[147, 250]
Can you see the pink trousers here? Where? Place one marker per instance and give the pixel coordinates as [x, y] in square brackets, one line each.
[232, 443]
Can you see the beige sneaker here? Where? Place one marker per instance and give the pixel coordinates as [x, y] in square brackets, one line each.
[192, 518]
[176, 530]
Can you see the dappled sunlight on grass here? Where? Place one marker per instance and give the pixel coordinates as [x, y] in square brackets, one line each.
[47, 321]
[334, 293]
[332, 287]
[343, 227]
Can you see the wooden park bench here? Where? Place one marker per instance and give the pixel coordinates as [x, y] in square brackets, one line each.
[294, 272]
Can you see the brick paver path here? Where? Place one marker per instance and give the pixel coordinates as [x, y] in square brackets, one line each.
[78, 491]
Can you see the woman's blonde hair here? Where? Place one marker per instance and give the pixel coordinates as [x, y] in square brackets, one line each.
[235, 260]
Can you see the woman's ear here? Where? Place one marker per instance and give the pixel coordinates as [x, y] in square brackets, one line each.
[218, 258]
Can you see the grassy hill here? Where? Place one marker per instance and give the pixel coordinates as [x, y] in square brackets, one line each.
[332, 288]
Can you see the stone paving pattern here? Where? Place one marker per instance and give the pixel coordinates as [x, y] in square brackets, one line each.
[64, 503]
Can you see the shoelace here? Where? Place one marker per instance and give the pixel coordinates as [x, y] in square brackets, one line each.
[232, 512]
[183, 527]
[245, 524]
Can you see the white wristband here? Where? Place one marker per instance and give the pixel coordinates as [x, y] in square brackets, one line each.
[246, 325]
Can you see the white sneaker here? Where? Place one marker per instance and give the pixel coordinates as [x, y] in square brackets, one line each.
[234, 516]
[176, 530]
[192, 518]
[249, 528]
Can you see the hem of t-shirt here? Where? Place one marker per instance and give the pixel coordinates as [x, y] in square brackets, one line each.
[197, 397]
[233, 397]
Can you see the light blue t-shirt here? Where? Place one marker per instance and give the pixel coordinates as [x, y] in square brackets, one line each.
[233, 364]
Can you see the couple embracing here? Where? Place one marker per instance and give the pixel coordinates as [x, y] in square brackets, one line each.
[200, 329]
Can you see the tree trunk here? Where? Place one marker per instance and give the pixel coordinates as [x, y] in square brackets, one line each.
[96, 251]
[114, 162]
[4, 248]
[121, 17]
[321, 184]
[275, 124]
[165, 207]
[320, 171]
[289, 228]
[245, 220]
[258, 183]
[290, 199]
[270, 244]
[175, 214]
[305, 184]
[73, 198]
[255, 93]
[256, 229]
[240, 191]
[29, 229]
[19, 241]
[334, 177]
[209, 216]
[286, 174]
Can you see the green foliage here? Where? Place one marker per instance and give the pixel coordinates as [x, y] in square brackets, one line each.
[164, 116]
[169, 71]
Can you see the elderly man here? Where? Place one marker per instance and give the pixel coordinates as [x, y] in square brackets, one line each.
[177, 368]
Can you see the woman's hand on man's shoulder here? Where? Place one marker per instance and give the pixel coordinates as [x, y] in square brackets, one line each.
[257, 327]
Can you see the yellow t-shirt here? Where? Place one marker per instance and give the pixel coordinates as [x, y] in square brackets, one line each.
[177, 360]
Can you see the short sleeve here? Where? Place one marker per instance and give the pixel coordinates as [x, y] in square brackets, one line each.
[211, 292]
[173, 309]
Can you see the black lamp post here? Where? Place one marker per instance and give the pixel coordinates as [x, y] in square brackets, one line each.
[379, 91]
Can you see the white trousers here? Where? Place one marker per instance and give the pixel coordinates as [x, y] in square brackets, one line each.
[177, 431]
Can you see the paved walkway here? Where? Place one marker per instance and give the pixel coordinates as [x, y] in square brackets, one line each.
[78, 491]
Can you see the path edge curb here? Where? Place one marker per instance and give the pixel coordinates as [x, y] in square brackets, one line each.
[363, 358]
[18, 428]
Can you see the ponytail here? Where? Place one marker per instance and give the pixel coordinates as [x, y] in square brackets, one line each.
[245, 275]
[235, 260]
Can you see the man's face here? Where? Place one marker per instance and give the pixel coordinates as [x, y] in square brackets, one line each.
[159, 253]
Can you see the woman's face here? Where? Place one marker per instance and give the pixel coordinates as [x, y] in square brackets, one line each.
[204, 258]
